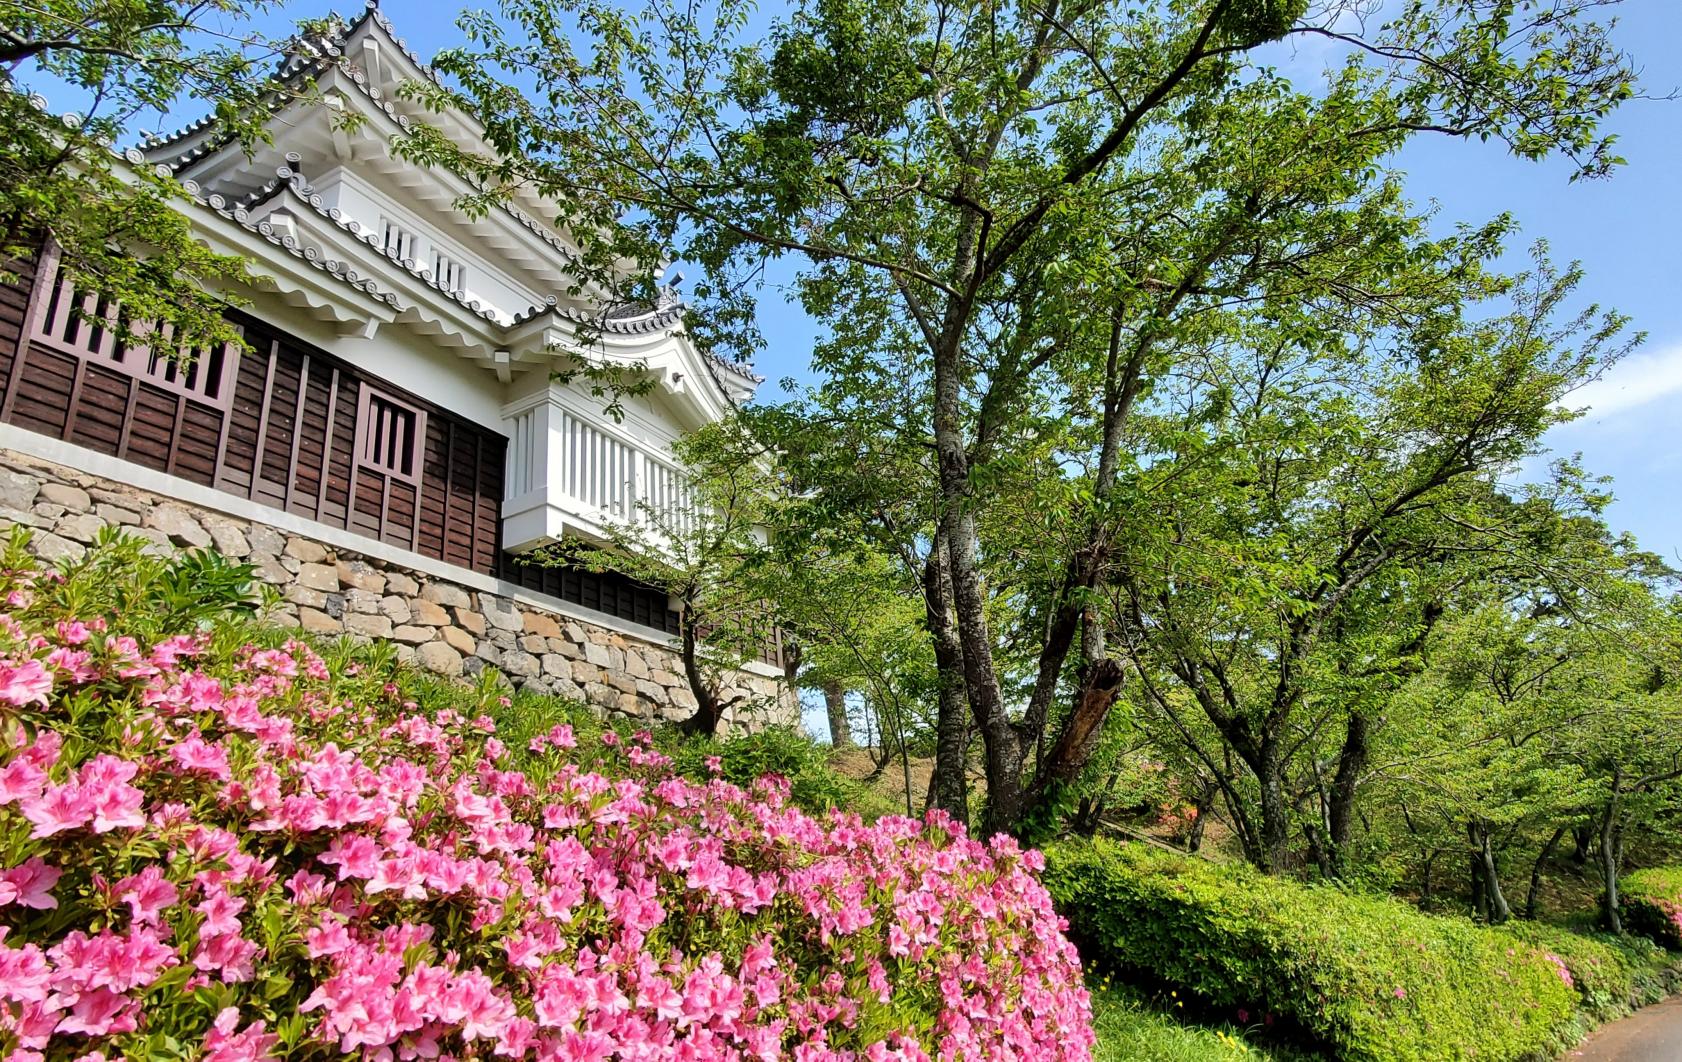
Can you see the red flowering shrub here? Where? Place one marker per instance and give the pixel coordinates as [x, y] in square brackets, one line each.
[218, 844]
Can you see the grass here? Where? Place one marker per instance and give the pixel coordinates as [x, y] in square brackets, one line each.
[1130, 1029]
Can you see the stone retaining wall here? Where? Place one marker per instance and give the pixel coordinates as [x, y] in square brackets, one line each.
[443, 626]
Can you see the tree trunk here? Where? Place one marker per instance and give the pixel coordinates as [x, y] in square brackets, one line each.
[1611, 858]
[998, 736]
[1425, 896]
[1066, 760]
[1275, 810]
[1340, 811]
[1492, 903]
[835, 702]
[1582, 843]
[949, 785]
[1533, 895]
[1204, 805]
[1480, 895]
[708, 712]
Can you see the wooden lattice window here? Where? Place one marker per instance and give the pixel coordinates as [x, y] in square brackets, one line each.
[389, 434]
[88, 326]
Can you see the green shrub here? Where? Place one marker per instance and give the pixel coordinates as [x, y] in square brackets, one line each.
[1653, 904]
[1370, 977]
[814, 785]
[1604, 971]
[1131, 1030]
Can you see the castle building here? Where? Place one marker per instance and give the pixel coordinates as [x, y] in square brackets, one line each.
[394, 441]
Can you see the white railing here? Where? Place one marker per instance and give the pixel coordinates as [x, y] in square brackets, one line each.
[568, 472]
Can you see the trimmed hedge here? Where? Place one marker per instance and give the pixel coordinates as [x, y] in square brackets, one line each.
[1653, 904]
[1371, 977]
[1613, 975]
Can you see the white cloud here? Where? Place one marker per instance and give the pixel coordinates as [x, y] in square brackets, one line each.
[1633, 382]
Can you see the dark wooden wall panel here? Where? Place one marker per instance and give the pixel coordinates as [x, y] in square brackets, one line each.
[38, 396]
[609, 592]
[14, 308]
[279, 426]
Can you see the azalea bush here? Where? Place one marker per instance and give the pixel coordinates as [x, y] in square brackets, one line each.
[1612, 974]
[1653, 904]
[1370, 977]
[217, 842]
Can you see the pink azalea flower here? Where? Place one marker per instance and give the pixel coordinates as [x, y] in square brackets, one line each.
[147, 894]
[24, 683]
[99, 1012]
[251, 1044]
[30, 885]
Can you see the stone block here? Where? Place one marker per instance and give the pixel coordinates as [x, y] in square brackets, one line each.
[270, 571]
[9, 517]
[596, 654]
[460, 639]
[303, 595]
[439, 657]
[18, 491]
[396, 609]
[398, 583]
[73, 498]
[80, 527]
[374, 626]
[683, 698]
[409, 634]
[335, 606]
[318, 622]
[621, 681]
[51, 547]
[179, 525]
[541, 625]
[520, 665]
[428, 613]
[362, 601]
[305, 551]
[158, 543]
[470, 620]
[317, 576]
[446, 594]
[666, 678]
[534, 644]
[649, 690]
[357, 574]
[115, 514]
[265, 539]
[558, 666]
[635, 665]
[501, 614]
[229, 540]
[501, 639]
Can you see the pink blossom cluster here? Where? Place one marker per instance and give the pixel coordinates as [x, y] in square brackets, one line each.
[242, 848]
[1564, 970]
